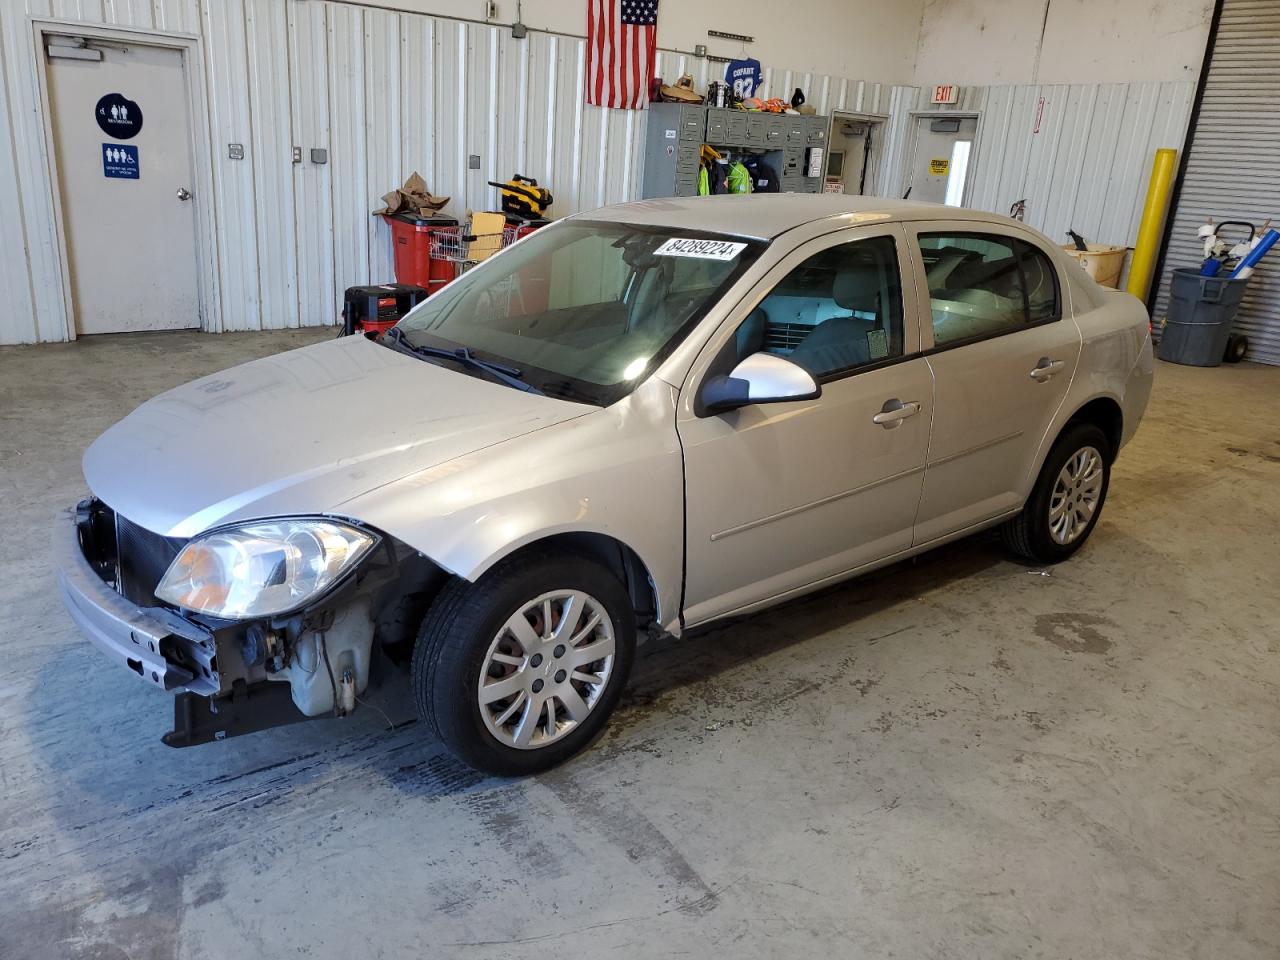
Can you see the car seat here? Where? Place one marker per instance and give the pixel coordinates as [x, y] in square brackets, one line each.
[841, 342]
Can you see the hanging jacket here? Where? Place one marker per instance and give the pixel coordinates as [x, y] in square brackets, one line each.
[764, 179]
[739, 178]
[719, 174]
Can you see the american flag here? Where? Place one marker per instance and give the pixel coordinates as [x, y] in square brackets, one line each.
[622, 43]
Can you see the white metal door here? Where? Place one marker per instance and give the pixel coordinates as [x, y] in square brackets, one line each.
[940, 164]
[128, 213]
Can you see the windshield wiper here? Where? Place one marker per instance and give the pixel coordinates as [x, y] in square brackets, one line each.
[463, 355]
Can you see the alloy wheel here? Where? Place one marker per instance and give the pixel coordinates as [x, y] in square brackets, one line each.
[1075, 495]
[546, 669]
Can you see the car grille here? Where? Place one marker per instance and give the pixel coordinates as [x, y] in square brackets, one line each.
[129, 557]
[142, 558]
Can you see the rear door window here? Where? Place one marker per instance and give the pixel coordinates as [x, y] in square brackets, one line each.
[984, 285]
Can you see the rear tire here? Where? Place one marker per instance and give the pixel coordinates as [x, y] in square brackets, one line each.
[481, 640]
[1067, 499]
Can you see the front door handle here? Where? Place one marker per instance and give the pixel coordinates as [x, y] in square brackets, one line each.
[184, 193]
[894, 412]
[1046, 369]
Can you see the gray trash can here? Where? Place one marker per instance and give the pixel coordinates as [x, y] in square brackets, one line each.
[1201, 310]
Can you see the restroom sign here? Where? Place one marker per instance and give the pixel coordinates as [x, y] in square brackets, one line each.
[120, 162]
[118, 116]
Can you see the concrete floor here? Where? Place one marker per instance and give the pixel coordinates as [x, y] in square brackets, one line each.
[959, 757]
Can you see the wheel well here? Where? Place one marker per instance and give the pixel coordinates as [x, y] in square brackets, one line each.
[1104, 413]
[616, 557]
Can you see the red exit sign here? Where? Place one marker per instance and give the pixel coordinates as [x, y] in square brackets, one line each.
[946, 93]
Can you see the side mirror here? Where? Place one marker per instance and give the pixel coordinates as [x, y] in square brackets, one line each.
[760, 378]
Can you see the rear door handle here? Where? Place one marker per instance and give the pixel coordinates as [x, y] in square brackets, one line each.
[1046, 369]
[894, 412]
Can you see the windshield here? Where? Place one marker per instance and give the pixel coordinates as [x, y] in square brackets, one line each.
[583, 310]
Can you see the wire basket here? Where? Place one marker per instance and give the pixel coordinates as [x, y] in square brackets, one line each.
[461, 246]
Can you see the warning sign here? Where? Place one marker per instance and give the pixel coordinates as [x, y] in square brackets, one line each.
[939, 168]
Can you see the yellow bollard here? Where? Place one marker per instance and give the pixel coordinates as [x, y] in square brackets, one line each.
[1147, 249]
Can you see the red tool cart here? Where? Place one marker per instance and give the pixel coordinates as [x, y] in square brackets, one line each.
[411, 241]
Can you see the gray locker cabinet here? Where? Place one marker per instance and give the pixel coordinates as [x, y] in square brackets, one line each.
[677, 131]
[693, 123]
[793, 162]
[717, 126]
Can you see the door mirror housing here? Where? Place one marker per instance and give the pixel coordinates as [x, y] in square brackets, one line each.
[759, 378]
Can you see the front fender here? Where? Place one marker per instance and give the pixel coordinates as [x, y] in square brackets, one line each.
[616, 472]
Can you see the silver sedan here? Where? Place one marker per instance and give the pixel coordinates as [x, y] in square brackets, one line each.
[633, 422]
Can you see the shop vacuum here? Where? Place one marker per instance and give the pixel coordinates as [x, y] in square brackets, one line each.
[523, 201]
[376, 309]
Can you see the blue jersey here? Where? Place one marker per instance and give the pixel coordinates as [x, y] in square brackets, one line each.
[743, 78]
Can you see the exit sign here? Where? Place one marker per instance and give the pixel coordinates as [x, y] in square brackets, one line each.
[946, 93]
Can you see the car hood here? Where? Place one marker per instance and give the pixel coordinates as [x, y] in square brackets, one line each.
[300, 433]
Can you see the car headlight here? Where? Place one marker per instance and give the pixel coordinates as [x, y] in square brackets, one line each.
[262, 568]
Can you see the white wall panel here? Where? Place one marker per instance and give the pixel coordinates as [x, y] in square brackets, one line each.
[448, 89]
[48, 317]
[312, 183]
[235, 201]
[176, 16]
[380, 132]
[88, 10]
[15, 278]
[271, 136]
[418, 134]
[348, 148]
[1008, 42]
[130, 13]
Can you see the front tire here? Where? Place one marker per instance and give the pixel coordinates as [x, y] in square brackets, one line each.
[1067, 499]
[520, 670]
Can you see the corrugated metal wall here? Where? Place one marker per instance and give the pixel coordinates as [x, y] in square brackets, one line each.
[388, 93]
[1087, 166]
[1231, 171]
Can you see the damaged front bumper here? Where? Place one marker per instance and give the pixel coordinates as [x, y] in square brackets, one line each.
[231, 677]
[160, 646]
[164, 648]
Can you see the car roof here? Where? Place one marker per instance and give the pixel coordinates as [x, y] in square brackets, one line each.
[764, 216]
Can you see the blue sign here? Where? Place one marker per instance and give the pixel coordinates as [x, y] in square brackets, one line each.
[119, 161]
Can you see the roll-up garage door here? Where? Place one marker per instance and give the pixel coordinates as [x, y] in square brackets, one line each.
[1233, 167]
